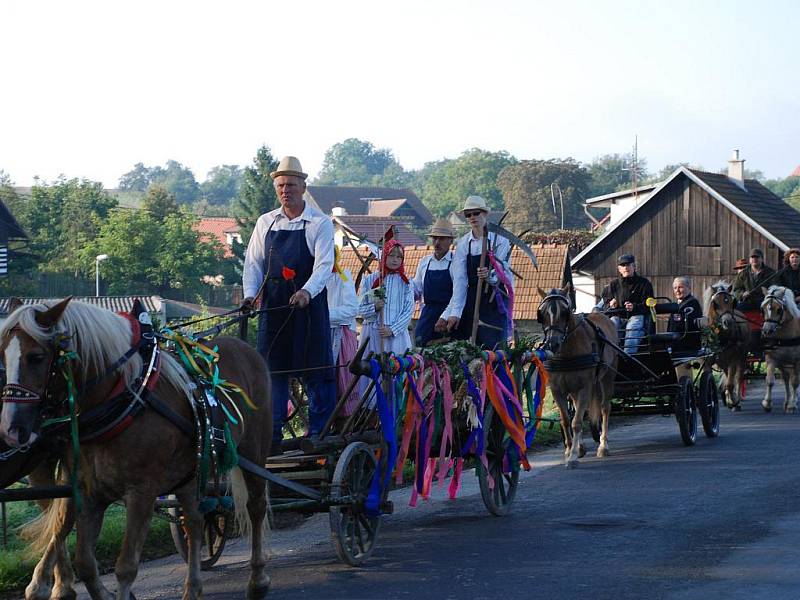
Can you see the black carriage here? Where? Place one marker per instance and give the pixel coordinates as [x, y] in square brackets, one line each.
[647, 381]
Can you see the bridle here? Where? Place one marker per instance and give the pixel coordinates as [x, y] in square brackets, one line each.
[565, 331]
[780, 310]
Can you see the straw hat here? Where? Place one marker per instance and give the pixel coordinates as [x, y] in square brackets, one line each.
[289, 165]
[475, 203]
[741, 263]
[442, 228]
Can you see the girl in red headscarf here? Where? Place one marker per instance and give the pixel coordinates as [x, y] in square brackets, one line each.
[387, 303]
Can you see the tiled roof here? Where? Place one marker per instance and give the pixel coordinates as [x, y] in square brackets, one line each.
[796, 172]
[218, 228]
[114, 303]
[384, 208]
[355, 200]
[758, 203]
[373, 228]
[552, 265]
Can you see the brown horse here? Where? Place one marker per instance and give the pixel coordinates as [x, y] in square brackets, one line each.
[735, 339]
[582, 369]
[781, 334]
[43, 346]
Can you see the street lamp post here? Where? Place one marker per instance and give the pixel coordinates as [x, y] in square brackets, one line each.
[97, 260]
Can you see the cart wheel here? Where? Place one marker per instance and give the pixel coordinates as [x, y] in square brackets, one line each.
[499, 498]
[217, 528]
[353, 531]
[686, 412]
[708, 404]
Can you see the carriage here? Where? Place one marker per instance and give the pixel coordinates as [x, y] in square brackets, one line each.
[647, 380]
[439, 416]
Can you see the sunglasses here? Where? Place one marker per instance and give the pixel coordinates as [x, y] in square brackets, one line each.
[473, 213]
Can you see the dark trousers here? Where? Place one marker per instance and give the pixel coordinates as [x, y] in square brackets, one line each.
[321, 402]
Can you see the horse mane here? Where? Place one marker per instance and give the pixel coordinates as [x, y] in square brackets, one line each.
[787, 298]
[98, 336]
[709, 292]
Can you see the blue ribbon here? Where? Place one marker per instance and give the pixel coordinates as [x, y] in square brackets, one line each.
[476, 436]
[535, 400]
[386, 416]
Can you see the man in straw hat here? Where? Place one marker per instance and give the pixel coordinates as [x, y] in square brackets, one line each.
[492, 277]
[289, 260]
[435, 282]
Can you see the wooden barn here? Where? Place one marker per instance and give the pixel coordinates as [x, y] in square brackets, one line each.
[695, 224]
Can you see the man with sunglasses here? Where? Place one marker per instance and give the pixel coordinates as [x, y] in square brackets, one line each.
[468, 276]
[748, 283]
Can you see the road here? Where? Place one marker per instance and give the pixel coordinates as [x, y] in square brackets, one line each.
[654, 520]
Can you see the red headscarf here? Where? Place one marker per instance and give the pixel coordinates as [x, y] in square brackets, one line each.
[385, 270]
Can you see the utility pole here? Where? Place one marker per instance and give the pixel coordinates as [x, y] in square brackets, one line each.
[634, 168]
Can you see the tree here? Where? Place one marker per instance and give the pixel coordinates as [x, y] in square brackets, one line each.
[787, 188]
[357, 162]
[222, 184]
[612, 172]
[137, 179]
[526, 188]
[256, 197]
[179, 180]
[21, 264]
[160, 202]
[443, 185]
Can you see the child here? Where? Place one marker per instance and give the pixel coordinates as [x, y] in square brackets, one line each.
[343, 307]
[387, 303]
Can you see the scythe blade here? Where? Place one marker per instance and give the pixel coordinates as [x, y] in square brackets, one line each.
[514, 240]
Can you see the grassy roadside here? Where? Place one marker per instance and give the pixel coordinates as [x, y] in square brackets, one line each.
[16, 566]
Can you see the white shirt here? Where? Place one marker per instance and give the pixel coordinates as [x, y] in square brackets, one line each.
[398, 304]
[319, 238]
[468, 244]
[431, 263]
[342, 300]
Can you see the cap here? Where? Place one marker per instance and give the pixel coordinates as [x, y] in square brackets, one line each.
[626, 259]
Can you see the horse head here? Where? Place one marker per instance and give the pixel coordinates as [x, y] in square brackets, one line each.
[28, 343]
[778, 308]
[554, 314]
[720, 303]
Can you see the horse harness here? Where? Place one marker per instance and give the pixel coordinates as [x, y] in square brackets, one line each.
[573, 363]
[779, 342]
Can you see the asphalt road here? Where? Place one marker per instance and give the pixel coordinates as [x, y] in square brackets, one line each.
[654, 520]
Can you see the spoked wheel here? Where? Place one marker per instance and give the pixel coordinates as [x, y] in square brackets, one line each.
[497, 498]
[708, 404]
[354, 531]
[217, 528]
[686, 412]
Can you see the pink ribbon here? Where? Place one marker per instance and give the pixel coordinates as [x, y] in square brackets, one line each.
[503, 278]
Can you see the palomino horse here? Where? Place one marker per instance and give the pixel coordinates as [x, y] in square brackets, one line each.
[582, 369]
[733, 331]
[781, 334]
[49, 350]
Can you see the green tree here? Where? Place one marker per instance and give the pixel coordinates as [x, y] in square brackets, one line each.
[256, 197]
[357, 162]
[20, 280]
[222, 184]
[526, 188]
[787, 188]
[137, 179]
[160, 202]
[179, 180]
[612, 172]
[443, 185]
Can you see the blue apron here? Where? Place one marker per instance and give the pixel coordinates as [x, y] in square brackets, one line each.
[489, 311]
[292, 338]
[437, 289]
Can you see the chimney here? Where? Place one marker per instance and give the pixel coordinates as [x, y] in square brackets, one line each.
[736, 170]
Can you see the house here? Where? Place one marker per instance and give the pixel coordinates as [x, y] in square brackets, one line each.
[373, 201]
[223, 229]
[619, 204]
[372, 229]
[553, 272]
[694, 223]
[10, 231]
[161, 310]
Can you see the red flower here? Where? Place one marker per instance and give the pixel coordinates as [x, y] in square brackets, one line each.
[288, 274]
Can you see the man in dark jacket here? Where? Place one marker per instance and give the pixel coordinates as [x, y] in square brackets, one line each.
[629, 291]
[748, 283]
[789, 276]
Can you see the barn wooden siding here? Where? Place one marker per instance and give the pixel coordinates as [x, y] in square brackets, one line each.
[682, 231]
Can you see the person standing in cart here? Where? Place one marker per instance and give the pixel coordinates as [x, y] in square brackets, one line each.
[434, 281]
[343, 308]
[289, 260]
[494, 279]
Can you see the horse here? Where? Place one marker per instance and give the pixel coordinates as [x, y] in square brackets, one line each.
[582, 368]
[781, 335]
[734, 334]
[66, 360]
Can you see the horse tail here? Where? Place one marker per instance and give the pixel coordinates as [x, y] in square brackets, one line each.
[241, 497]
[595, 405]
[43, 528]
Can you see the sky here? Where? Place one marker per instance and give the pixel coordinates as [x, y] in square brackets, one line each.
[90, 88]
